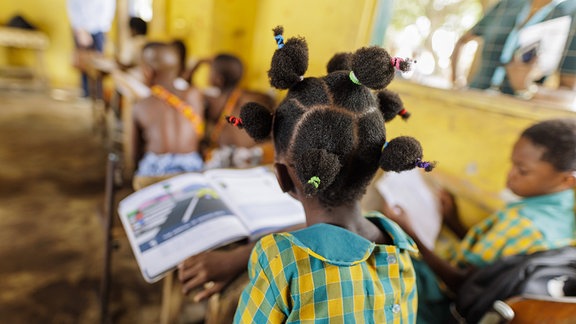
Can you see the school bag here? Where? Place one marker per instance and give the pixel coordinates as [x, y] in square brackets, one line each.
[541, 273]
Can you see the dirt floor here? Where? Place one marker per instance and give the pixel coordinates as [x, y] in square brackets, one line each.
[52, 171]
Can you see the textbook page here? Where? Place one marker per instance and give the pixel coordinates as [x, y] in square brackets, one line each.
[255, 196]
[550, 37]
[409, 190]
[171, 220]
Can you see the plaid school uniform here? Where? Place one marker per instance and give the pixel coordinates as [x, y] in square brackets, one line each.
[524, 227]
[568, 63]
[497, 24]
[326, 274]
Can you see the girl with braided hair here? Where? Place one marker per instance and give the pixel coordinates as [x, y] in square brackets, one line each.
[330, 140]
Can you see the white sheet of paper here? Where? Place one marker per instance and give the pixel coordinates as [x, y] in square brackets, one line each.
[409, 190]
[551, 36]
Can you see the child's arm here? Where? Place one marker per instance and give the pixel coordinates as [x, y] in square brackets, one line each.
[452, 276]
[265, 298]
[136, 137]
[218, 266]
[450, 215]
[189, 73]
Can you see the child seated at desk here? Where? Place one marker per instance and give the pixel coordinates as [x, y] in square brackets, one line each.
[225, 147]
[329, 139]
[543, 173]
[129, 55]
[169, 124]
[223, 272]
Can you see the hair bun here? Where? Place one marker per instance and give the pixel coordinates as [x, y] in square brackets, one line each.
[372, 67]
[391, 105]
[289, 62]
[403, 153]
[256, 120]
[339, 62]
[318, 170]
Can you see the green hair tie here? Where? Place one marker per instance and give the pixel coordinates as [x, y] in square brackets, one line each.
[384, 146]
[315, 181]
[354, 78]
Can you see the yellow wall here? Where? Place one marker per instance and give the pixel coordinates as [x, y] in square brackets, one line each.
[244, 28]
[241, 27]
[328, 26]
[51, 18]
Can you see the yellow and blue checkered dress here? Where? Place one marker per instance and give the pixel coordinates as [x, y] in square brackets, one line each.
[326, 274]
[524, 227]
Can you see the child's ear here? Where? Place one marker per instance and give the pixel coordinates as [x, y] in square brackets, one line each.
[283, 177]
[571, 181]
[148, 74]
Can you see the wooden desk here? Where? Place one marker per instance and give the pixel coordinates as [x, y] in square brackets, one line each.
[31, 40]
[97, 67]
[130, 89]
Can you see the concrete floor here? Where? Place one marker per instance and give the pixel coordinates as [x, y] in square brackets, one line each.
[52, 169]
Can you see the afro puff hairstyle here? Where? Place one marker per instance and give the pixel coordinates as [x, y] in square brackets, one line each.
[390, 102]
[331, 129]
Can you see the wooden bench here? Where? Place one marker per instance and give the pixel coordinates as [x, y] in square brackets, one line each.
[33, 40]
[531, 309]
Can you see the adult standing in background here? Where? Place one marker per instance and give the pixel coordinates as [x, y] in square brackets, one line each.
[90, 21]
[499, 67]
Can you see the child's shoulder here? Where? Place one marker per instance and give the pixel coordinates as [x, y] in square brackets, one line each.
[329, 243]
[400, 238]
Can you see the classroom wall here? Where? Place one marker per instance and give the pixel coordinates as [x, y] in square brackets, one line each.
[244, 28]
[51, 18]
[241, 27]
[328, 26]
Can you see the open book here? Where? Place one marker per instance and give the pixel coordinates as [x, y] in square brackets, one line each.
[194, 212]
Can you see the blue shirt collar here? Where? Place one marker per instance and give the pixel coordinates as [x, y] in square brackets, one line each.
[338, 245]
[552, 214]
[563, 199]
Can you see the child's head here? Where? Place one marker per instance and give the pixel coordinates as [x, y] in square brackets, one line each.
[544, 159]
[329, 132]
[160, 60]
[226, 72]
[138, 26]
[182, 52]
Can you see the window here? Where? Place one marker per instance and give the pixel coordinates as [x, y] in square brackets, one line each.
[427, 31]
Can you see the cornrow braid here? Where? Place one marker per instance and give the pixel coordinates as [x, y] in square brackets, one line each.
[331, 129]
